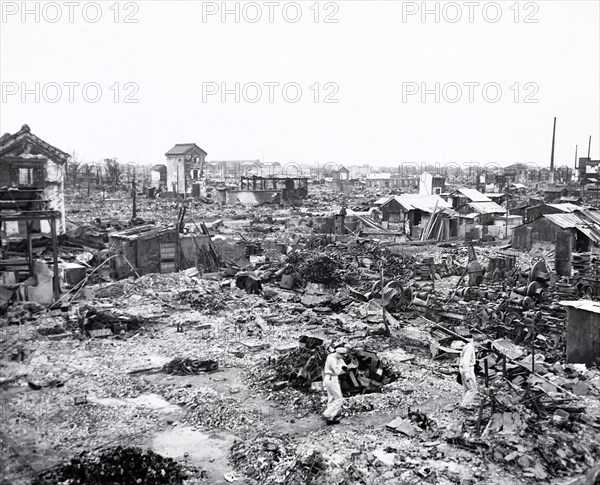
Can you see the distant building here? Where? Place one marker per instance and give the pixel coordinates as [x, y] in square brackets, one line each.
[341, 179]
[478, 212]
[232, 170]
[431, 184]
[184, 165]
[588, 171]
[516, 172]
[379, 180]
[359, 171]
[342, 174]
[555, 193]
[271, 169]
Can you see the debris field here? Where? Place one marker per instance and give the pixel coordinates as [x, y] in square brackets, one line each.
[196, 376]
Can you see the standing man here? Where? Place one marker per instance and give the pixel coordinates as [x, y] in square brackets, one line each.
[466, 367]
[334, 366]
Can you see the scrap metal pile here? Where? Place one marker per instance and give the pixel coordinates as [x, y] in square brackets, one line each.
[358, 265]
[115, 466]
[510, 302]
[302, 367]
[350, 263]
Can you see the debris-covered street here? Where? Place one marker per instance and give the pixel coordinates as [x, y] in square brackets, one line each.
[332, 312]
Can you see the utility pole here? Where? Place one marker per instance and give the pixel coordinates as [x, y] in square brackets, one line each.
[506, 221]
[552, 154]
[589, 146]
[134, 194]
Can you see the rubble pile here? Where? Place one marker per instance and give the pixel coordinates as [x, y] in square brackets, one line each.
[271, 460]
[528, 420]
[541, 452]
[203, 299]
[210, 409]
[317, 268]
[115, 466]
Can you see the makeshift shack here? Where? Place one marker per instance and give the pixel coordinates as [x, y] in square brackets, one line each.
[150, 249]
[421, 216]
[585, 235]
[583, 332]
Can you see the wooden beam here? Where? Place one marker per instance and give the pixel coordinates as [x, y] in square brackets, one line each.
[29, 247]
[55, 280]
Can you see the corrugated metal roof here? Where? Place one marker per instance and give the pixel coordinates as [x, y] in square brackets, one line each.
[425, 203]
[487, 208]
[565, 207]
[566, 221]
[384, 200]
[586, 305]
[590, 231]
[474, 195]
[589, 215]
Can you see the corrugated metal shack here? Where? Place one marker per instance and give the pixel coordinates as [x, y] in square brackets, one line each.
[160, 250]
[584, 232]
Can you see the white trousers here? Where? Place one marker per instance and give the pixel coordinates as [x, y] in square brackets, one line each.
[469, 386]
[334, 396]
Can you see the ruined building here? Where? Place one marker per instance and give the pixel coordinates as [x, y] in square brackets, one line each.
[31, 178]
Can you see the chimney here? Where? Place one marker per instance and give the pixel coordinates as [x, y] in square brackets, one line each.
[552, 154]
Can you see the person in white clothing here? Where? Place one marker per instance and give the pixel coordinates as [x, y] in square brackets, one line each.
[334, 366]
[466, 367]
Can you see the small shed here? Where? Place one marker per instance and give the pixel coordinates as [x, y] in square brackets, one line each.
[585, 236]
[147, 248]
[151, 249]
[413, 214]
[583, 332]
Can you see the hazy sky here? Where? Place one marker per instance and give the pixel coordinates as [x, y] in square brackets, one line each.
[375, 61]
